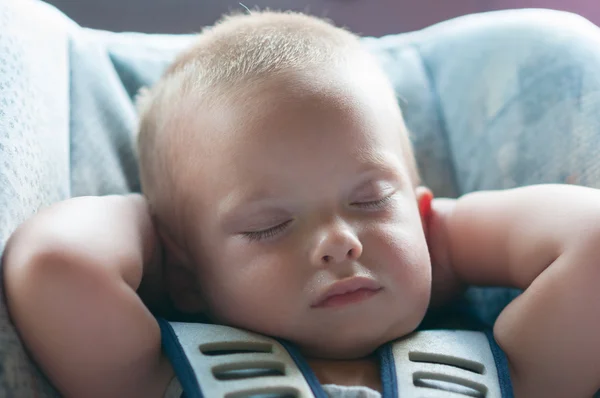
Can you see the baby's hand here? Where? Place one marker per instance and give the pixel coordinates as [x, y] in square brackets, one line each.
[446, 285]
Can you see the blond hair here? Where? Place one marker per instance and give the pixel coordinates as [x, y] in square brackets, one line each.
[237, 51]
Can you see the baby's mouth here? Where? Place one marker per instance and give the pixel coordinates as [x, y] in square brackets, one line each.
[347, 291]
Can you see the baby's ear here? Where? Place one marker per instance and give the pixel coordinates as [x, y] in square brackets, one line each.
[424, 197]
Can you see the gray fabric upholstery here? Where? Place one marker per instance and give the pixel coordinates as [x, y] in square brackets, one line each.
[493, 101]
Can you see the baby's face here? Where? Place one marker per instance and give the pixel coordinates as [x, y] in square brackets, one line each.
[304, 223]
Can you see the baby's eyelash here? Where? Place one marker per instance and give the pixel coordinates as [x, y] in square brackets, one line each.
[265, 233]
[374, 204]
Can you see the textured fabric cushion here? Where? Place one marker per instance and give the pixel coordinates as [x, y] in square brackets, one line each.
[107, 70]
[493, 101]
[34, 148]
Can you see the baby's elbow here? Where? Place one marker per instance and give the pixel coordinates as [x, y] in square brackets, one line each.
[581, 256]
[584, 239]
[35, 263]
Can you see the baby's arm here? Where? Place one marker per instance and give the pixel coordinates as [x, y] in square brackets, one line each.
[70, 275]
[544, 239]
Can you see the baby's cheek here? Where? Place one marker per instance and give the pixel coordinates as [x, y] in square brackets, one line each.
[400, 243]
[256, 292]
[409, 273]
[403, 255]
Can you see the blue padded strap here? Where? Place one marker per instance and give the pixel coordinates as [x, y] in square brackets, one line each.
[303, 366]
[179, 361]
[504, 381]
[389, 382]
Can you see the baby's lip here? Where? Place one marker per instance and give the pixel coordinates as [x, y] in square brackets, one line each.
[346, 286]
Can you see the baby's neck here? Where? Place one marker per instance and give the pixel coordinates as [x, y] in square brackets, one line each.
[355, 372]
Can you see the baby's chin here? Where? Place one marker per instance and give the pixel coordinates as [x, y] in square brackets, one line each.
[347, 346]
[341, 352]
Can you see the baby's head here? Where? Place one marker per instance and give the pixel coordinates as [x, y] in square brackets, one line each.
[279, 173]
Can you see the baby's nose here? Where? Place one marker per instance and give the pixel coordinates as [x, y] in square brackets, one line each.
[337, 246]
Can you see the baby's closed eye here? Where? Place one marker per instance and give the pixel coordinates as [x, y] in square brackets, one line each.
[374, 204]
[267, 232]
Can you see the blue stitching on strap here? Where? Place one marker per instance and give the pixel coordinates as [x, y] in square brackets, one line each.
[506, 389]
[179, 361]
[307, 372]
[387, 366]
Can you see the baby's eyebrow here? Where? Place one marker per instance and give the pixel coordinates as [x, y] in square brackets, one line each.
[237, 205]
[376, 159]
[378, 169]
[378, 165]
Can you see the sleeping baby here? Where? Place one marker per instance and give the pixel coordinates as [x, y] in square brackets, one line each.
[281, 196]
